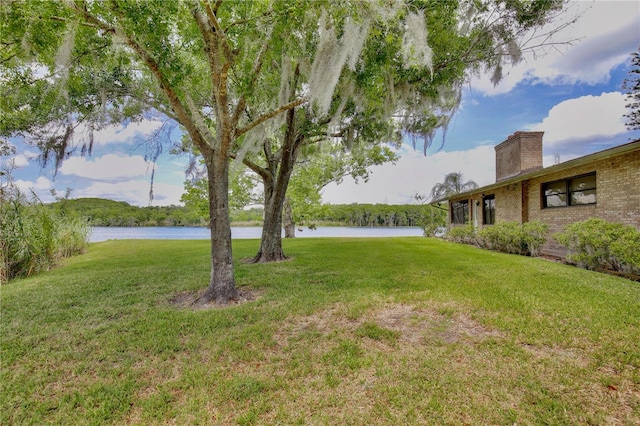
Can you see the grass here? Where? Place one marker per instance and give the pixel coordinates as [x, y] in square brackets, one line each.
[350, 331]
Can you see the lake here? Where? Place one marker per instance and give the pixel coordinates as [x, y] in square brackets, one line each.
[196, 233]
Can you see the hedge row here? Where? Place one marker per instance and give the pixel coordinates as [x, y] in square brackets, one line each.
[591, 244]
[508, 237]
[598, 244]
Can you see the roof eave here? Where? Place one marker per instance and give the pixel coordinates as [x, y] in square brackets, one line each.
[600, 155]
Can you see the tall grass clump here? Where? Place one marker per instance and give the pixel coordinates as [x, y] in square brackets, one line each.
[34, 238]
[598, 244]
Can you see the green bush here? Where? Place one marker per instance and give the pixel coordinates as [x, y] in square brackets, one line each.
[598, 244]
[33, 238]
[627, 249]
[515, 238]
[506, 237]
[462, 234]
[535, 236]
[432, 222]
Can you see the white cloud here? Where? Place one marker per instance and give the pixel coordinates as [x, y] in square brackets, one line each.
[134, 192]
[122, 133]
[42, 187]
[111, 167]
[414, 172]
[601, 53]
[584, 117]
[605, 34]
[19, 161]
[23, 159]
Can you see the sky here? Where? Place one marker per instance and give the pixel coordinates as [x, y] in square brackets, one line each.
[572, 92]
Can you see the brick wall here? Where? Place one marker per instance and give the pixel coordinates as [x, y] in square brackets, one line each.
[520, 153]
[617, 200]
[509, 203]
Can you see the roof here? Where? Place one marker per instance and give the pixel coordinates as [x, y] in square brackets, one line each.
[600, 155]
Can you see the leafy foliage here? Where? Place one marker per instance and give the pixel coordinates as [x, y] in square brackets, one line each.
[34, 238]
[453, 183]
[597, 244]
[233, 73]
[462, 234]
[101, 212]
[329, 164]
[508, 237]
[196, 197]
[515, 238]
[631, 85]
[378, 214]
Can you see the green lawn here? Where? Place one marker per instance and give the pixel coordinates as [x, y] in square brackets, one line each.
[350, 331]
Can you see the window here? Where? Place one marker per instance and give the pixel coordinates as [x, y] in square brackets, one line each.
[582, 190]
[460, 211]
[489, 210]
[555, 194]
[579, 190]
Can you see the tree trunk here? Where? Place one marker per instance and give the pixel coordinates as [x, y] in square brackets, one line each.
[289, 224]
[271, 240]
[275, 192]
[222, 287]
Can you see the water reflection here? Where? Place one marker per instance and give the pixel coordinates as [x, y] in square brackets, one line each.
[195, 233]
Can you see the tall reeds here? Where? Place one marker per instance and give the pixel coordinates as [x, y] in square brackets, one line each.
[33, 237]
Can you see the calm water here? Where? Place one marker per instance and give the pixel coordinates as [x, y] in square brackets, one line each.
[193, 233]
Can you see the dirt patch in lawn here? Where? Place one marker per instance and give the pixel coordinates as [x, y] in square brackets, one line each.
[193, 299]
[422, 325]
[413, 325]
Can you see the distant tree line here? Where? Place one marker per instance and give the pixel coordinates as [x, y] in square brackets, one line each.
[377, 214]
[102, 212]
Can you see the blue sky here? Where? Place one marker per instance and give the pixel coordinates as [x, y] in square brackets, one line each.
[571, 92]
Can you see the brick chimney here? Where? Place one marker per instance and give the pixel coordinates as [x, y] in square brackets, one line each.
[520, 153]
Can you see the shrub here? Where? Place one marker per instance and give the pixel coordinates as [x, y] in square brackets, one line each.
[33, 238]
[627, 249]
[511, 237]
[433, 223]
[462, 234]
[598, 244]
[504, 236]
[535, 236]
[507, 237]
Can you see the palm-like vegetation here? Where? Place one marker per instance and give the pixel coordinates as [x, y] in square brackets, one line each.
[453, 184]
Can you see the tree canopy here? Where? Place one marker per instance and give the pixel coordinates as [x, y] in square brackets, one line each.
[234, 74]
[632, 87]
[453, 183]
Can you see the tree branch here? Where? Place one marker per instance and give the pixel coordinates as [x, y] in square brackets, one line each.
[176, 105]
[255, 72]
[211, 49]
[213, 20]
[271, 114]
[264, 173]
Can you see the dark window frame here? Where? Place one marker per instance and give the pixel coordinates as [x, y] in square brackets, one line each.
[489, 211]
[457, 208]
[567, 190]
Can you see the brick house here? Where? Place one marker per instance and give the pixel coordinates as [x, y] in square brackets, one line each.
[605, 184]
